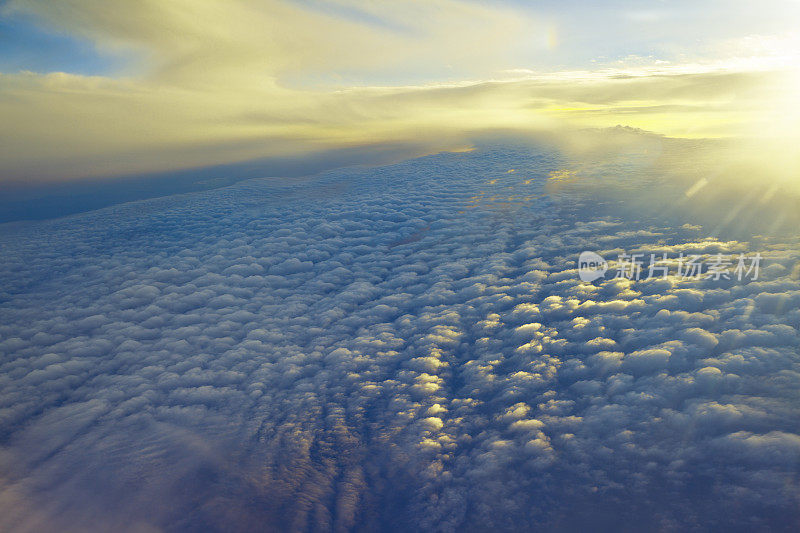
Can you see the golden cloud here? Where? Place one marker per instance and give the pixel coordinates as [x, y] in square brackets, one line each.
[208, 85]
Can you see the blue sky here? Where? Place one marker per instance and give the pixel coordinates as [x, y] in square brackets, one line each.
[26, 44]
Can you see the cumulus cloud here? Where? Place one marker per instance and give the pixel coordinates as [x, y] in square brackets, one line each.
[253, 357]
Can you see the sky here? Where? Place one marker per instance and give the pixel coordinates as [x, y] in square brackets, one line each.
[315, 266]
[109, 88]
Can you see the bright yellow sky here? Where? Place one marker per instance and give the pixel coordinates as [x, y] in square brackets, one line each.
[201, 82]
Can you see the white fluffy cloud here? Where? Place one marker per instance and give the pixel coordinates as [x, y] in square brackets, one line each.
[413, 352]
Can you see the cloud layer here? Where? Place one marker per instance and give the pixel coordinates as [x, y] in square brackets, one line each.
[407, 347]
